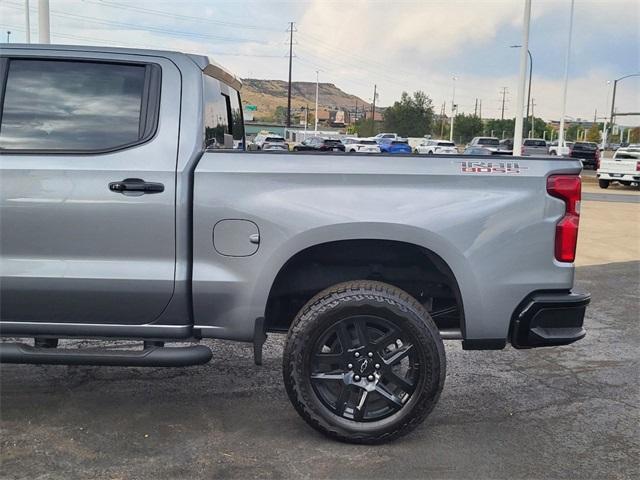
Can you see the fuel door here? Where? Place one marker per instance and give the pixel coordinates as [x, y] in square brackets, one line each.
[236, 238]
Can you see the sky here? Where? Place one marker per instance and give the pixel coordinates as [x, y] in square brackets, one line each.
[397, 45]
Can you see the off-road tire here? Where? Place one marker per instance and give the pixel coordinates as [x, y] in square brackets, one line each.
[603, 183]
[365, 298]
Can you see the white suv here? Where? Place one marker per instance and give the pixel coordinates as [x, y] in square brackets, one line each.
[270, 142]
[440, 147]
[363, 145]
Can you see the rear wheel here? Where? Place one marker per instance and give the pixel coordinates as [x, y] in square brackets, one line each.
[363, 362]
[603, 183]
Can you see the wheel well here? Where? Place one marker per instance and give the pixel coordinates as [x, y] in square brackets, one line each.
[414, 269]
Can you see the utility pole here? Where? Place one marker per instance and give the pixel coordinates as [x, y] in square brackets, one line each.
[504, 96]
[44, 31]
[373, 109]
[290, 62]
[522, 80]
[480, 109]
[475, 110]
[566, 78]
[8, 34]
[355, 117]
[317, 89]
[533, 119]
[442, 112]
[453, 108]
[27, 23]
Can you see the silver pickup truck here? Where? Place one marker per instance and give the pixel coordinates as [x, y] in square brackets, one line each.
[127, 213]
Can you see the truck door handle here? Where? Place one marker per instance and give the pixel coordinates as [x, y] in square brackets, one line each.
[135, 186]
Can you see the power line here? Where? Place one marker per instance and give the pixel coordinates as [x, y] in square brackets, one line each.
[132, 45]
[147, 28]
[172, 15]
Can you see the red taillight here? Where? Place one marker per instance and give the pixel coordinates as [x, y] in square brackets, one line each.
[637, 166]
[567, 188]
[522, 150]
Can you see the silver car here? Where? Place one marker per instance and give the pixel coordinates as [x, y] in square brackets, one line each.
[534, 146]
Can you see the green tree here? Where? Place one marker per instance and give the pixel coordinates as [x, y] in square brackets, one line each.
[499, 128]
[571, 133]
[366, 127]
[593, 134]
[465, 127]
[280, 115]
[412, 116]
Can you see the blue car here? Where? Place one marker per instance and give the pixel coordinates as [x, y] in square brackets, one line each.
[394, 146]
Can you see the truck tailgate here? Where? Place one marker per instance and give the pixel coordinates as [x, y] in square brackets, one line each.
[618, 166]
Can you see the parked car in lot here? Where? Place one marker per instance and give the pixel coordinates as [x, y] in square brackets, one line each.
[623, 168]
[270, 142]
[362, 145]
[394, 146]
[117, 222]
[486, 142]
[440, 147]
[319, 144]
[485, 151]
[588, 152]
[560, 151]
[387, 136]
[506, 144]
[534, 146]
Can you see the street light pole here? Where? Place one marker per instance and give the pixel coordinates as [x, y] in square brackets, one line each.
[517, 134]
[566, 79]
[316, 114]
[604, 126]
[613, 98]
[530, 76]
[44, 30]
[27, 22]
[453, 108]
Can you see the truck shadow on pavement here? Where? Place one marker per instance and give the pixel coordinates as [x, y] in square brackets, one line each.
[500, 413]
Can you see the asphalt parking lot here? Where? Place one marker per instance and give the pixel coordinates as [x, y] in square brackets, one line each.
[569, 412]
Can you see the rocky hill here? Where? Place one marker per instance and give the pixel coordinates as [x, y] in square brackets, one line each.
[267, 95]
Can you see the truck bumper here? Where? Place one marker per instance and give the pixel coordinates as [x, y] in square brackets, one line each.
[617, 177]
[549, 319]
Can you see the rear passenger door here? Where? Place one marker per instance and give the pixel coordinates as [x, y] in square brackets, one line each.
[87, 193]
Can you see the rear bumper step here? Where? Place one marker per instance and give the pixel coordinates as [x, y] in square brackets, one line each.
[549, 319]
[149, 357]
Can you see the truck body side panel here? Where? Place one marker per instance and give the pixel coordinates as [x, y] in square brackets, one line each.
[495, 230]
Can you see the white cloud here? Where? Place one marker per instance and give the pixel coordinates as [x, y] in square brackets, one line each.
[399, 45]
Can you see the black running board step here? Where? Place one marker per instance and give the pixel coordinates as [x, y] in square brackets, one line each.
[149, 357]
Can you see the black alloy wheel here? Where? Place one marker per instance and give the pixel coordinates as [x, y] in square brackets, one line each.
[363, 362]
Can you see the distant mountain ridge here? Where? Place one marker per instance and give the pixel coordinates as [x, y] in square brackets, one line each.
[267, 95]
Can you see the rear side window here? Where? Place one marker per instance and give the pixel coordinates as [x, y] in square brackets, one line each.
[535, 143]
[77, 106]
[224, 127]
[488, 141]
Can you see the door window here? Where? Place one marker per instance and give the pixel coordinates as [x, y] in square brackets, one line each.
[76, 106]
